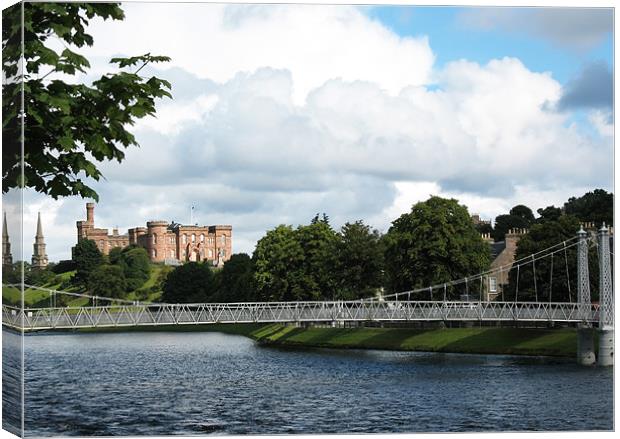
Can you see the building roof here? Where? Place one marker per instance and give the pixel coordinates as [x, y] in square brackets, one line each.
[496, 248]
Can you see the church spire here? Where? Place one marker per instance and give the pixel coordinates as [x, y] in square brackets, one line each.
[7, 257]
[39, 258]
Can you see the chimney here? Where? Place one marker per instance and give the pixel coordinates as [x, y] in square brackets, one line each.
[90, 213]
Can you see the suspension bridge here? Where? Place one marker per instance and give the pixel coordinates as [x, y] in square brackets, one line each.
[397, 307]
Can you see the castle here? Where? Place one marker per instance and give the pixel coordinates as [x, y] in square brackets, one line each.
[170, 243]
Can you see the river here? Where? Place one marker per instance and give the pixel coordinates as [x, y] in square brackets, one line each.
[210, 383]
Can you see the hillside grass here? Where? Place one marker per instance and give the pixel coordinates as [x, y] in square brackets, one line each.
[37, 299]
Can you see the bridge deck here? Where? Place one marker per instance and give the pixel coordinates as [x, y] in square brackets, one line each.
[281, 312]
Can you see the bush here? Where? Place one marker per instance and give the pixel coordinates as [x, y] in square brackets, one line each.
[64, 266]
[108, 281]
[189, 283]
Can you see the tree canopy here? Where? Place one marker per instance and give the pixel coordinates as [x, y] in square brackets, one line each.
[548, 285]
[436, 242]
[69, 127]
[87, 258]
[596, 206]
[107, 281]
[503, 223]
[359, 265]
[192, 282]
[235, 280]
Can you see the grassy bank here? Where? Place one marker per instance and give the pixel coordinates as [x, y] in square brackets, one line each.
[510, 341]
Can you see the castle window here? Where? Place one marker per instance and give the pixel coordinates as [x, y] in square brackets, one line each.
[202, 238]
[172, 253]
[154, 253]
[184, 239]
[223, 239]
[154, 238]
[193, 237]
[493, 284]
[210, 253]
[101, 243]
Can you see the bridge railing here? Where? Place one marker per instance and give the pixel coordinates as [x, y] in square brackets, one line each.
[274, 312]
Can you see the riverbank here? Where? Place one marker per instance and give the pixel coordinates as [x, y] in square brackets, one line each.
[486, 340]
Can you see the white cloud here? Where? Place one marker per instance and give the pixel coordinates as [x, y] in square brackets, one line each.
[314, 42]
[277, 118]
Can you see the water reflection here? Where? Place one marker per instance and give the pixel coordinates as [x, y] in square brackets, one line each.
[209, 383]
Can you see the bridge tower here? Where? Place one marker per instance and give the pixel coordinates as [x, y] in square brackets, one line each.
[606, 299]
[585, 336]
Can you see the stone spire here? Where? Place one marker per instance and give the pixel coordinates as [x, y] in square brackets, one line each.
[39, 258]
[7, 257]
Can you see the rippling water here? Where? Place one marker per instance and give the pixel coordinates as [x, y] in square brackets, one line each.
[200, 383]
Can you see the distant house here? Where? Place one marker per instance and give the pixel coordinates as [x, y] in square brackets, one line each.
[503, 256]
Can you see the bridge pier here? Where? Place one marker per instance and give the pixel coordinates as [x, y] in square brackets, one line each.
[606, 299]
[585, 346]
[606, 347]
[585, 336]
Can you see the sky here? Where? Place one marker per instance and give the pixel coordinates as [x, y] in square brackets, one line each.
[284, 111]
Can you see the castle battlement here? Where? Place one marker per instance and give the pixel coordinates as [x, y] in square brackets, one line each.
[163, 241]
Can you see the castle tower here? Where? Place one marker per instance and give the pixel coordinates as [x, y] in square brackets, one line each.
[39, 258]
[7, 257]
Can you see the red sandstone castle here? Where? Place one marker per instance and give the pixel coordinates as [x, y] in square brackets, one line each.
[164, 242]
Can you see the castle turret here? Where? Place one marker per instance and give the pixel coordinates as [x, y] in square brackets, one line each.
[39, 257]
[7, 257]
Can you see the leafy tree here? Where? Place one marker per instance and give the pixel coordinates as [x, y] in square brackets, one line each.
[11, 274]
[549, 213]
[235, 280]
[503, 223]
[114, 256]
[555, 286]
[136, 266]
[69, 126]
[64, 266]
[523, 212]
[318, 242]
[484, 228]
[108, 281]
[596, 206]
[436, 242]
[86, 257]
[359, 265]
[278, 259]
[192, 282]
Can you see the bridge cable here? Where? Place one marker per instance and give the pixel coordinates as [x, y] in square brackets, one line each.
[534, 273]
[570, 297]
[517, 286]
[551, 279]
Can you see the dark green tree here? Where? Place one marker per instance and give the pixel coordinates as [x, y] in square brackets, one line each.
[318, 242]
[596, 206]
[136, 266]
[436, 242]
[114, 256]
[503, 223]
[359, 266]
[235, 280]
[523, 212]
[278, 260]
[87, 257]
[192, 282]
[484, 228]
[107, 281]
[549, 213]
[555, 286]
[69, 126]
